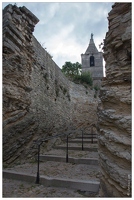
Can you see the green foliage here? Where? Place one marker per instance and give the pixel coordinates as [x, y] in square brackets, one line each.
[73, 72]
[96, 87]
[87, 78]
[71, 69]
[84, 77]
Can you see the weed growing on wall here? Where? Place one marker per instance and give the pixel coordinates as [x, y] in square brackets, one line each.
[84, 77]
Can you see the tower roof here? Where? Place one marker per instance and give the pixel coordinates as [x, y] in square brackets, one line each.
[91, 47]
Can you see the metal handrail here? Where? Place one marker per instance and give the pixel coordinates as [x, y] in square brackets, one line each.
[49, 138]
[38, 163]
[92, 137]
[82, 140]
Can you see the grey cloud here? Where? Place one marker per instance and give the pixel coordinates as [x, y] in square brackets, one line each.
[57, 18]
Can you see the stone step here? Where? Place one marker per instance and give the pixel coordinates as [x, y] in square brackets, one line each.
[91, 186]
[89, 161]
[89, 134]
[86, 137]
[71, 153]
[77, 148]
[80, 141]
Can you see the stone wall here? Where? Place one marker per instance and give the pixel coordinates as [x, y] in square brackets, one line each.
[114, 111]
[38, 100]
[19, 123]
[83, 108]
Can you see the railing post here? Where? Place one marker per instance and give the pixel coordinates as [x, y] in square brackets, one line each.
[82, 140]
[67, 150]
[38, 175]
[92, 134]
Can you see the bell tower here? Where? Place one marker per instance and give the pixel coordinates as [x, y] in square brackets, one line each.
[92, 61]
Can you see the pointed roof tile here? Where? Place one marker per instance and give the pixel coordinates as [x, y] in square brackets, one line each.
[91, 47]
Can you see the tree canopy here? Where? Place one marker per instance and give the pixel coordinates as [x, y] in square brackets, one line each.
[71, 69]
[74, 72]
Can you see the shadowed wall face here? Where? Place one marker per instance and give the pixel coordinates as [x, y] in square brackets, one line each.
[114, 112]
[38, 100]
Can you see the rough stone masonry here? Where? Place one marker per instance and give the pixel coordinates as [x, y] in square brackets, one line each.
[114, 111]
[38, 100]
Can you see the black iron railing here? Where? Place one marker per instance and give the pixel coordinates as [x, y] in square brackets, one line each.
[91, 136]
[82, 140]
[67, 141]
[38, 160]
[67, 150]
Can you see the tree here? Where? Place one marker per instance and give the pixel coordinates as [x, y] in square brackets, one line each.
[71, 69]
[74, 73]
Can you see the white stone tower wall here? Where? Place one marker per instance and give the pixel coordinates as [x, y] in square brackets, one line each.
[97, 69]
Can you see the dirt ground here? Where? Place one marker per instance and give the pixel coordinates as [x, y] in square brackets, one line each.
[14, 188]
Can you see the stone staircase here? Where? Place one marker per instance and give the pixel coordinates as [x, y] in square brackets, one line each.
[80, 173]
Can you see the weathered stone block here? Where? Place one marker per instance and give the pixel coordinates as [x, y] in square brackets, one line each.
[114, 112]
[8, 8]
[127, 35]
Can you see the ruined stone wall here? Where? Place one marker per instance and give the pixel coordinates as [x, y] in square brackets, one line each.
[19, 123]
[114, 111]
[37, 98]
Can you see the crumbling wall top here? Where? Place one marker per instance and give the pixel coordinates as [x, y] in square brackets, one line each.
[18, 26]
[21, 11]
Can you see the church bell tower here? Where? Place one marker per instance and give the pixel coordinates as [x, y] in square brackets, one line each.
[92, 61]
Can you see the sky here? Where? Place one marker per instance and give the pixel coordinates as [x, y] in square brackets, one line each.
[65, 28]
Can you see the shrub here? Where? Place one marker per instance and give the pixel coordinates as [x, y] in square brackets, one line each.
[86, 78]
[96, 87]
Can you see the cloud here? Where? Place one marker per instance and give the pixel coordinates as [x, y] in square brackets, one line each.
[47, 12]
[70, 50]
[65, 46]
[65, 27]
[68, 32]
